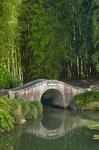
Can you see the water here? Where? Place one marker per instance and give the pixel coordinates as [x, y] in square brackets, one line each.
[58, 130]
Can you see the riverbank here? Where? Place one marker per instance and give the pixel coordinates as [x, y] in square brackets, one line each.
[15, 112]
[86, 101]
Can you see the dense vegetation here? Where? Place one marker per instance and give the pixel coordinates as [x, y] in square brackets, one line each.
[7, 80]
[49, 39]
[13, 112]
[86, 101]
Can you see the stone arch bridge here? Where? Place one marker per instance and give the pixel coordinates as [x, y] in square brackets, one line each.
[60, 92]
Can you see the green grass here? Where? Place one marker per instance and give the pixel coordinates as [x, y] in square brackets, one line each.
[87, 101]
[18, 110]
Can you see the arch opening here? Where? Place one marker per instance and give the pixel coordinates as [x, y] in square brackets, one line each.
[53, 98]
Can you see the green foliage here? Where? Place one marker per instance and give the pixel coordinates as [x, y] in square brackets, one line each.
[15, 110]
[38, 106]
[13, 107]
[5, 77]
[96, 35]
[9, 51]
[96, 60]
[25, 107]
[18, 110]
[14, 82]
[6, 121]
[7, 80]
[46, 43]
[93, 106]
[97, 68]
[94, 127]
[58, 45]
[32, 113]
[53, 40]
[87, 101]
[3, 104]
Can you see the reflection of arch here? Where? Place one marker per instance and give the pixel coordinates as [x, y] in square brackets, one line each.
[44, 129]
[40, 131]
[67, 125]
[52, 97]
[52, 118]
[52, 123]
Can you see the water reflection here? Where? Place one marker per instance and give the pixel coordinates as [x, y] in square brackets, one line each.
[57, 123]
[58, 130]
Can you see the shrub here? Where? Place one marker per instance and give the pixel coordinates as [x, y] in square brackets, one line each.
[32, 114]
[6, 121]
[87, 100]
[14, 82]
[25, 107]
[13, 107]
[7, 80]
[15, 110]
[93, 106]
[39, 107]
[3, 104]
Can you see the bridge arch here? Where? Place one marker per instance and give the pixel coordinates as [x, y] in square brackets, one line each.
[34, 90]
[52, 97]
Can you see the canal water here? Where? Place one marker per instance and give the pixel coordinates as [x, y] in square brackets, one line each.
[57, 130]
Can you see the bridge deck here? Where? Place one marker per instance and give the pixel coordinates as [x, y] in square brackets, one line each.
[27, 85]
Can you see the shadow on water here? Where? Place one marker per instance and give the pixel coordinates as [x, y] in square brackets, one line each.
[58, 130]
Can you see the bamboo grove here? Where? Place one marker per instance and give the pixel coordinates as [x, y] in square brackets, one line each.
[53, 39]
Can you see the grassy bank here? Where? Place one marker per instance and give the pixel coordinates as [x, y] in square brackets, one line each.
[13, 112]
[86, 101]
